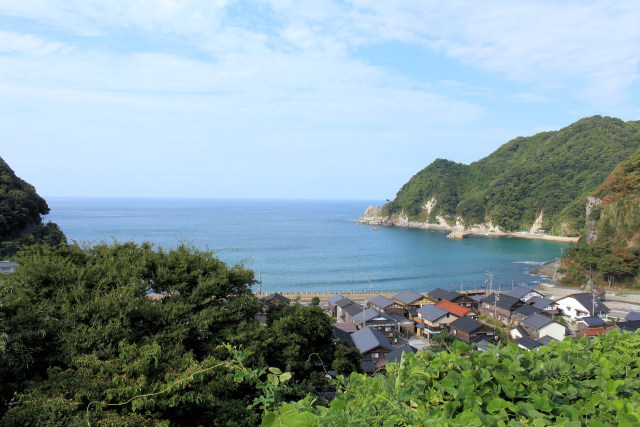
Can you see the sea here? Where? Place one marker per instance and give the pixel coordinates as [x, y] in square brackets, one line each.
[307, 245]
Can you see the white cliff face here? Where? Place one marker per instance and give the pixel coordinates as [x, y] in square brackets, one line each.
[590, 229]
[428, 207]
[372, 212]
[537, 225]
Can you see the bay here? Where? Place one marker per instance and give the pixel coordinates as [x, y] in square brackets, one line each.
[306, 245]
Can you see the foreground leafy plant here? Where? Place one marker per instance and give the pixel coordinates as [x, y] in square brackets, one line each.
[586, 382]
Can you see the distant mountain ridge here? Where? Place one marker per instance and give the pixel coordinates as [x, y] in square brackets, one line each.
[542, 181]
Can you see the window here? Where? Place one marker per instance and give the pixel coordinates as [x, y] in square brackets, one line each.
[455, 331]
[5, 269]
[388, 328]
[375, 355]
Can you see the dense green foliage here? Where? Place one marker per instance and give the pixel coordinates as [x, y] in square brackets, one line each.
[552, 172]
[79, 326]
[20, 220]
[612, 231]
[572, 383]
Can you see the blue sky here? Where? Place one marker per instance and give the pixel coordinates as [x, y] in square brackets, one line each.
[295, 99]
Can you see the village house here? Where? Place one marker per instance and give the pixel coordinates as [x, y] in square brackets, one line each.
[522, 313]
[332, 304]
[431, 319]
[629, 325]
[457, 310]
[7, 267]
[410, 301]
[577, 306]
[340, 306]
[503, 309]
[386, 305]
[373, 346]
[538, 325]
[523, 293]
[275, 300]
[528, 343]
[438, 294]
[373, 319]
[544, 304]
[632, 315]
[590, 322]
[468, 330]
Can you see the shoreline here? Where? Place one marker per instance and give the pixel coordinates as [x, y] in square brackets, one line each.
[379, 222]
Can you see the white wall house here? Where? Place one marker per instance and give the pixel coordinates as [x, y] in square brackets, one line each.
[577, 306]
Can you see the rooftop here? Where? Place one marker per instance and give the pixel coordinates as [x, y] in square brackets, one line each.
[519, 292]
[466, 324]
[408, 296]
[454, 308]
[432, 312]
[528, 343]
[442, 294]
[587, 301]
[537, 321]
[381, 301]
[366, 339]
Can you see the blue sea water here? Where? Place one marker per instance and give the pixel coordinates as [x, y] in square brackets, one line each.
[306, 245]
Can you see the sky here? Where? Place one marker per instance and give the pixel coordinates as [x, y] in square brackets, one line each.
[295, 99]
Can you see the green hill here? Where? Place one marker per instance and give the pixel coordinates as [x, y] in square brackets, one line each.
[609, 251]
[20, 215]
[550, 172]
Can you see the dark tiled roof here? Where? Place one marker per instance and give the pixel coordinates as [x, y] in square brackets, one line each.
[342, 303]
[633, 315]
[546, 340]
[347, 327]
[408, 297]
[539, 302]
[519, 292]
[395, 356]
[431, 312]
[278, 297]
[342, 335]
[368, 366]
[359, 314]
[527, 310]
[466, 324]
[381, 301]
[442, 294]
[528, 343]
[587, 302]
[504, 301]
[537, 321]
[367, 339]
[398, 318]
[523, 332]
[478, 297]
[332, 300]
[631, 325]
[593, 321]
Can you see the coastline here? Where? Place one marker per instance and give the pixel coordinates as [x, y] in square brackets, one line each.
[475, 231]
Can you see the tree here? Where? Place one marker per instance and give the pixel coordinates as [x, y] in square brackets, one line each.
[109, 323]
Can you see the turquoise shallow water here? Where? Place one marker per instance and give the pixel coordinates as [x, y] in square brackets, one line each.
[303, 245]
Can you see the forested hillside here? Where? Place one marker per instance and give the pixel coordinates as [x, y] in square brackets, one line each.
[609, 251]
[550, 172]
[20, 215]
